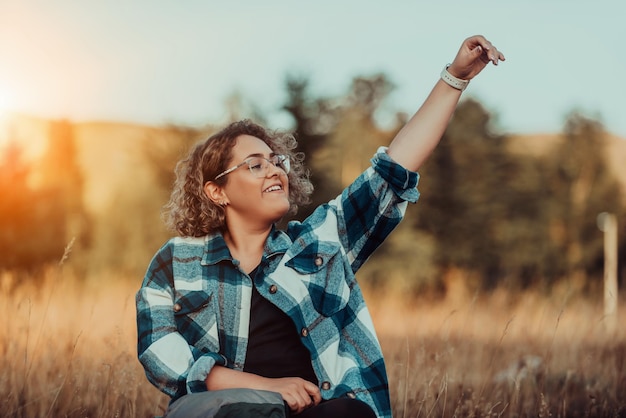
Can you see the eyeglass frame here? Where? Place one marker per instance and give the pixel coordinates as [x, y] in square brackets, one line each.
[281, 159]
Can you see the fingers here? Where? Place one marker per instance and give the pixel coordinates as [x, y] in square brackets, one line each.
[481, 47]
[494, 55]
[314, 392]
[299, 393]
[297, 402]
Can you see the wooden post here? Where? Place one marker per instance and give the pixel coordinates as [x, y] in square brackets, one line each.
[607, 222]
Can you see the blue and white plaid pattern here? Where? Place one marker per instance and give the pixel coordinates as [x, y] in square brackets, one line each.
[193, 308]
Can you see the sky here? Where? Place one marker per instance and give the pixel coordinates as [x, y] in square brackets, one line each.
[164, 61]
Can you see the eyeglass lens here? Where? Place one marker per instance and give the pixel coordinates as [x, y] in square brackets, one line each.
[260, 166]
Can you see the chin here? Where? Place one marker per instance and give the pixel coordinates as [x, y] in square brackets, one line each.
[282, 213]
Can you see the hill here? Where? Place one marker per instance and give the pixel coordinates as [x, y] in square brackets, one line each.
[110, 153]
[111, 156]
[541, 143]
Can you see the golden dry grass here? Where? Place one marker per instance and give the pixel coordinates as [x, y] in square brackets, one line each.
[499, 356]
[67, 349]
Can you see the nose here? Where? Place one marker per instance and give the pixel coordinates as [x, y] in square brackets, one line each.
[274, 170]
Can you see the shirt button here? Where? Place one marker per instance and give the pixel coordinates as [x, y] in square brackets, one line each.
[177, 307]
[273, 289]
[325, 385]
[351, 395]
[304, 332]
[319, 261]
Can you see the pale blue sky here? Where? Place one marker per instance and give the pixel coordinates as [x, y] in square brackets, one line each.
[157, 61]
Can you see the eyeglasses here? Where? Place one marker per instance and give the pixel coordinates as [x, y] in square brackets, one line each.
[260, 166]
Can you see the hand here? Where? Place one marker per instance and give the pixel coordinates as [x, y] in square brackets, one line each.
[475, 53]
[298, 393]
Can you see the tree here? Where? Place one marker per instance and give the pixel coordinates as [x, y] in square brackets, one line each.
[461, 186]
[59, 174]
[31, 221]
[161, 152]
[582, 187]
[314, 121]
[357, 135]
[516, 221]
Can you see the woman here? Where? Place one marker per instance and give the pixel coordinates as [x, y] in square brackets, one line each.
[237, 318]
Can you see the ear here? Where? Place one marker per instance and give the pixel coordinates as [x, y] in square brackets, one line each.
[215, 193]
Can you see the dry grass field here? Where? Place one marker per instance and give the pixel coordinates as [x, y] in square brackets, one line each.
[67, 349]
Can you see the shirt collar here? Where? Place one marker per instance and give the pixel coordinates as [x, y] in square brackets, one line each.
[216, 250]
[277, 242]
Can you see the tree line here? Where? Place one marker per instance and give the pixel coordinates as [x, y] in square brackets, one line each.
[495, 217]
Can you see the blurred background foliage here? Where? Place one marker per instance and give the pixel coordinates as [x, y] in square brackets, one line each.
[490, 213]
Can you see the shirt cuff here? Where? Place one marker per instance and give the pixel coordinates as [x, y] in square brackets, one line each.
[402, 181]
[198, 372]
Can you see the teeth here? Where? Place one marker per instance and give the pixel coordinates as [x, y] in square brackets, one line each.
[273, 188]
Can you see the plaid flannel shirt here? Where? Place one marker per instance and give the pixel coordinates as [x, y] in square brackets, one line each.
[193, 308]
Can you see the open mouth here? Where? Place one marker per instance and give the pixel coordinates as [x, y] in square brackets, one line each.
[274, 188]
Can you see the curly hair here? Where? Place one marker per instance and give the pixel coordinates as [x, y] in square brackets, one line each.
[191, 213]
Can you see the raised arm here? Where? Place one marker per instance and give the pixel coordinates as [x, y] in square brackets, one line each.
[417, 139]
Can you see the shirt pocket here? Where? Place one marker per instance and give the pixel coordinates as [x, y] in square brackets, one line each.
[196, 320]
[322, 266]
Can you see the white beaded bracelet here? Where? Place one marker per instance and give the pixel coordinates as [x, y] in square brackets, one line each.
[452, 81]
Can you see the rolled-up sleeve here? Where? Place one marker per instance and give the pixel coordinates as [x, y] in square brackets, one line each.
[402, 181]
[368, 210]
[170, 363]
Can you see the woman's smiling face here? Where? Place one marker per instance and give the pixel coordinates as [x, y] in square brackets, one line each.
[264, 199]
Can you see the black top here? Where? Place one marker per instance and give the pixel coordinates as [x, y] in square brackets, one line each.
[274, 346]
